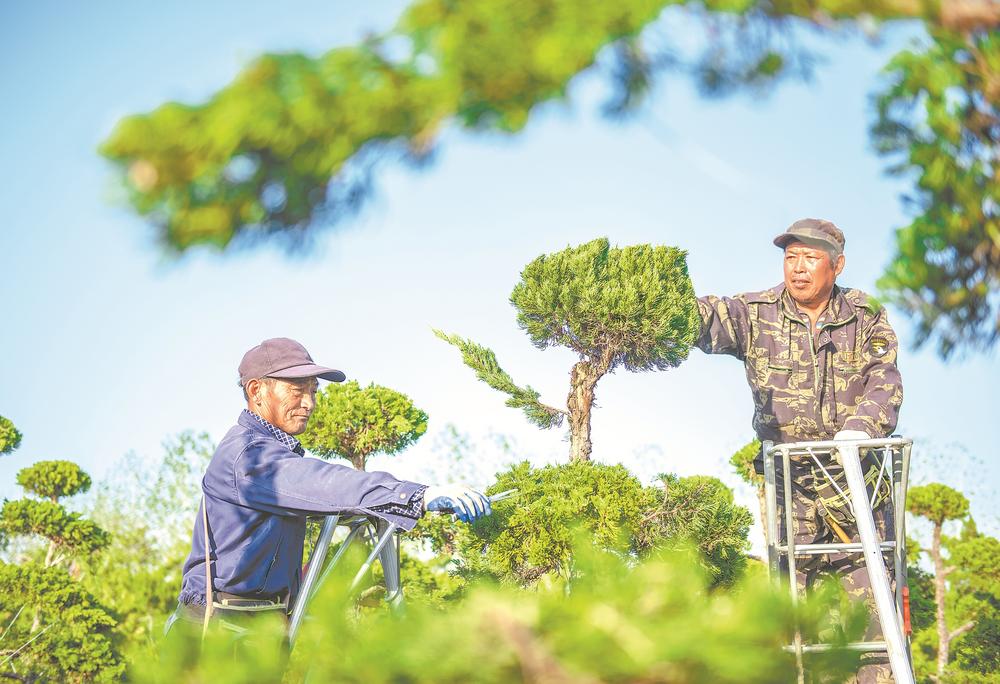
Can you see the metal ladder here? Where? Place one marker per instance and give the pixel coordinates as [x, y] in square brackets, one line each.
[384, 541]
[892, 456]
[383, 537]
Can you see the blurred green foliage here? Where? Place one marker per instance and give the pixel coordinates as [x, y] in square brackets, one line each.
[292, 142]
[939, 116]
[956, 609]
[258, 157]
[354, 422]
[742, 461]
[615, 621]
[937, 502]
[10, 437]
[149, 509]
[631, 307]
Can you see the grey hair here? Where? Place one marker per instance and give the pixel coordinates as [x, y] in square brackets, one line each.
[266, 380]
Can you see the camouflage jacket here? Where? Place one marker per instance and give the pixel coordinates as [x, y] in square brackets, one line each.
[808, 387]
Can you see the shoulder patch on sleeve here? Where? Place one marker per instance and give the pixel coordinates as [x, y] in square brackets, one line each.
[878, 345]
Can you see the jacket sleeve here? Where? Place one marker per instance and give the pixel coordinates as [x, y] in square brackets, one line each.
[725, 326]
[878, 410]
[267, 477]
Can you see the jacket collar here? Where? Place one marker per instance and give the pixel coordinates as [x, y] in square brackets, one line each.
[263, 427]
[838, 311]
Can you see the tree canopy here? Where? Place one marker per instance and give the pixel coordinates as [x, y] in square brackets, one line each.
[10, 438]
[937, 502]
[54, 630]
[54, 480]
[292, 143]
[631, 307]
[354, 422]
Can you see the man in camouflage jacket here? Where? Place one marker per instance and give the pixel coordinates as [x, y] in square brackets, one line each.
[821, 364]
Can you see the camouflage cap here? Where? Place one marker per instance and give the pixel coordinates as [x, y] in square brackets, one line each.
[815, 233]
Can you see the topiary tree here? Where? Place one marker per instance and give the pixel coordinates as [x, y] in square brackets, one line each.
[57, 631]
[631, 307]
[700, 511]
[532, 537]
[354, 422]
[10, 438]
[939, 504]
[66, 532]
[74, 640]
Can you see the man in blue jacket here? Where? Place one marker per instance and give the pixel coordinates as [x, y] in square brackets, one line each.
[259, 488]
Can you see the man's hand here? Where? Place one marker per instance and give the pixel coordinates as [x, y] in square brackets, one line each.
[465, 502]
[852, 435]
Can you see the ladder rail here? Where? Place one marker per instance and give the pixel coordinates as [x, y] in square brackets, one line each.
[894, 463]
[885, 603]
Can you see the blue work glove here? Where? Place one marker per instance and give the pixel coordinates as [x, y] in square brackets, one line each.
[465, 502]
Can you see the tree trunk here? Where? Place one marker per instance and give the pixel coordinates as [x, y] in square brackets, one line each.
[358, 460]
[582, 381]
[939, 574]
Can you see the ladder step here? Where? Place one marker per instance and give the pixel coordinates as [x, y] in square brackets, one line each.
[863, 646]
[819, 549]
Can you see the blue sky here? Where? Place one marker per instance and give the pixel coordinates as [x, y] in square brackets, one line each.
[109, 347]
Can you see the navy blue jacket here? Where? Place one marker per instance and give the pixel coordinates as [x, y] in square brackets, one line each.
[258, 493]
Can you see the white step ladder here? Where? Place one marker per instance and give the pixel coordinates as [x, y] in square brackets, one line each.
[892, 457]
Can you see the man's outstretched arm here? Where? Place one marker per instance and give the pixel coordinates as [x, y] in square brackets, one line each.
[725, 326]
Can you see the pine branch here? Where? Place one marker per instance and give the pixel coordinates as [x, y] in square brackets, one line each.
[484, 362]
[959, 631]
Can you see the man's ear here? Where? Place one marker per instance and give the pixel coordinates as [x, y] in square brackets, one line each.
[254, 388]
[838, 267]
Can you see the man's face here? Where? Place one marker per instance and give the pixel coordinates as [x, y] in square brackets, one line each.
[286, 404]
[809, 273]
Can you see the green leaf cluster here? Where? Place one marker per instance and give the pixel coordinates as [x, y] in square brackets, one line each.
[10, 437]
[484, 362]
[292, 141]
[68, 531]
[700, 511]
[54, 480]
[743, 463]
[939, 118]
[530, 538]
[64, 634]
[937, 502]
[533, 534]
[631, 306]
[147, 507]
[259, 156]
[354, 422]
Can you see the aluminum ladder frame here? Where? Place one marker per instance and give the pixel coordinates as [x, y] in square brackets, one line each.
[384, 539]
[895, 464]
